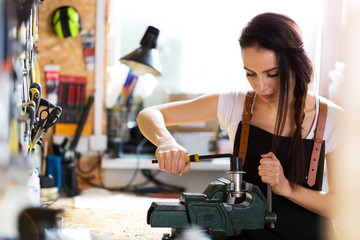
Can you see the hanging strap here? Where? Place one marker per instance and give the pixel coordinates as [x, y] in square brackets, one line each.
[318, 140]
[246, 119]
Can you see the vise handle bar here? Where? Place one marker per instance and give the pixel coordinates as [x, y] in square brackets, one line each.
[197, 157]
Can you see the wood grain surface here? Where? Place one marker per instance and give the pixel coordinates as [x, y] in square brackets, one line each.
[110, 223]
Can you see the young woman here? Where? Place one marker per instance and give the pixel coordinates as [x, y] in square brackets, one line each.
[284, 117]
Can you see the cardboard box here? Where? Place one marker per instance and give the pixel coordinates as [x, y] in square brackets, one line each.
[208, 126]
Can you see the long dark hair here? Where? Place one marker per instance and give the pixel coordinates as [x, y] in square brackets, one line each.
[282, 35]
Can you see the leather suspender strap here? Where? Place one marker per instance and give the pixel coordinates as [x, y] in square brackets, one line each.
[318, 140]
[246, 119]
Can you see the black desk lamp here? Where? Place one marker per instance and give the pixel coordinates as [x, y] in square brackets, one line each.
[145, 59]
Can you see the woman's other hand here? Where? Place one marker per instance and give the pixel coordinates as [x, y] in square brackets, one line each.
[271, 172]
[171, 156]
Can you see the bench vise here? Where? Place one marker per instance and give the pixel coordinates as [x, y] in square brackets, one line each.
[224, 208]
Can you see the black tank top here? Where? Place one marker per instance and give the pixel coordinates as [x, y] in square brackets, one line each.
[293, 221]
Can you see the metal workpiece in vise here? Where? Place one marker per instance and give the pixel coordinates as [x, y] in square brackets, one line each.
[224, 209]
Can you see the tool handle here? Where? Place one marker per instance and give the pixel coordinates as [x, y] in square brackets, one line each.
[53, 117]
[189, 158]
[37, 86]
[46, 103]
[81, 124]
[269, 198]
[269, 202]
[30, 112]
[197, 157]
[35, 96]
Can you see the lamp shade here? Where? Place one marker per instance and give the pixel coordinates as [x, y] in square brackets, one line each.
[145, 59]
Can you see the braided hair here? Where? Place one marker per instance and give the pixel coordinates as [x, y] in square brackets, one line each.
[282, 35]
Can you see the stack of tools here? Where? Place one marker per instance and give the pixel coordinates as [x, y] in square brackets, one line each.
[52, 77]
[87, 38]
[25, 117]
[41, 115]
[123, 115]
[71, 97]
[70, 156]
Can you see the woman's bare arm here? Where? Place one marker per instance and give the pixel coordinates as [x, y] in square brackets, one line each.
[153, 120]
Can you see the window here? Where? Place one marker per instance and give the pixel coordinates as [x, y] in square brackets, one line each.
[198, 41]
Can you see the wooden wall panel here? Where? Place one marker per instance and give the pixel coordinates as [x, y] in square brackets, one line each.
[68, 52]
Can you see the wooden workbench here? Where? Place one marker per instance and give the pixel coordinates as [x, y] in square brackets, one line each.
[109, 223]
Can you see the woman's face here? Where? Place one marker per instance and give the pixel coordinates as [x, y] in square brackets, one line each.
[262, 72]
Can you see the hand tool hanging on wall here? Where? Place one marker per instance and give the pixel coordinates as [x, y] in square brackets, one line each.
[46, 103]
[30, 112]
[47, 119]
[43, 102]
[71, 97]
[36, 98]
[69, 182]
[29, 123]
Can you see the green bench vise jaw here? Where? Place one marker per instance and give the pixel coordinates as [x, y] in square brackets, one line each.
[224, 209]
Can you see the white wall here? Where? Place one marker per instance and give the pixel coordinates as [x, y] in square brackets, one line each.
[198, 40]
[331, 41]
[346, 206]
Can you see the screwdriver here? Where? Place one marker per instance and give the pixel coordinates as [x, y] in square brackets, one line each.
[30, 118]
[197, 157]
[35, 97]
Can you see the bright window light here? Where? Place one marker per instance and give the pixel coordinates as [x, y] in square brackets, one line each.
[198, 41]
